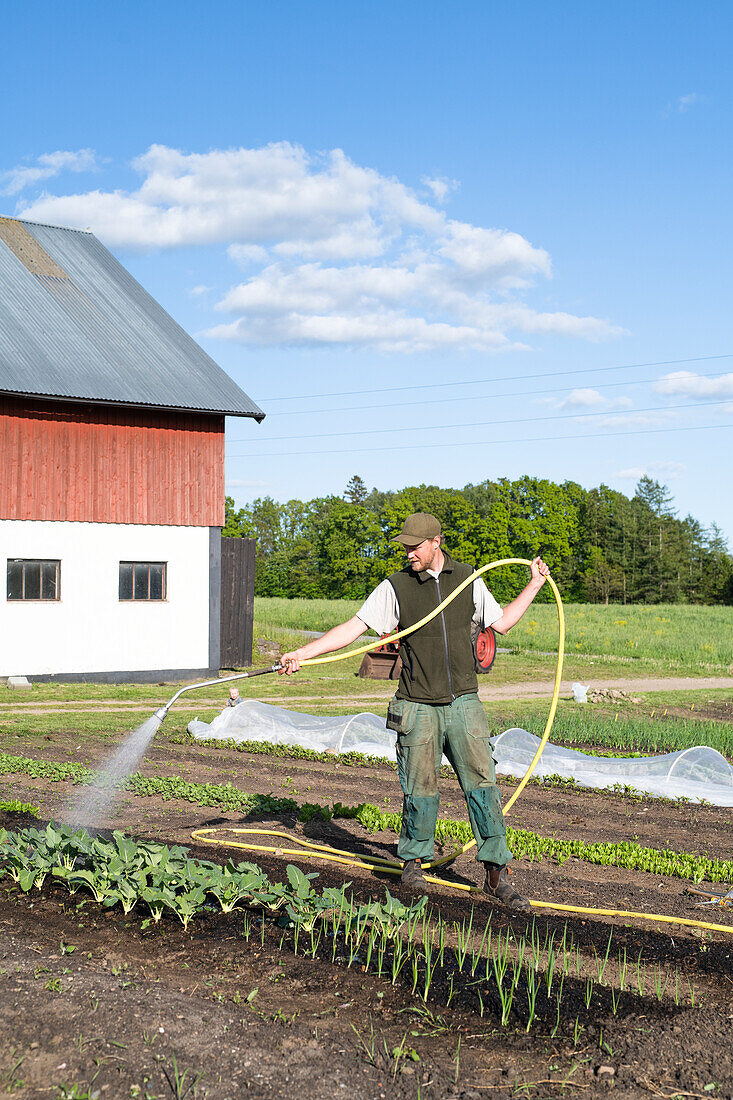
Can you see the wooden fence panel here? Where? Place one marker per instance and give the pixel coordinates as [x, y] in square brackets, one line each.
[237, 601]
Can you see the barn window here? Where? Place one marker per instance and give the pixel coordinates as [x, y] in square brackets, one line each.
[142, 580]
[33, 579]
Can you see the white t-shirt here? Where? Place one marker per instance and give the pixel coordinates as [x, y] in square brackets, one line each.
[381, 610]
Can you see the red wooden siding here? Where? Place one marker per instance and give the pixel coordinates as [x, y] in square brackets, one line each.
[66, 461]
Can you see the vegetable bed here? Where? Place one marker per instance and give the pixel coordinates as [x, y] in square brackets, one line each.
[136, 960]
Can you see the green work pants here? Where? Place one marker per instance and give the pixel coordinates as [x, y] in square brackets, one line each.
[460, 730]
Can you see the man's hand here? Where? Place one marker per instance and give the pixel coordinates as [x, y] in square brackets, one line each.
[513, 612]
[540, 571]
[335, 638]
[290, 662]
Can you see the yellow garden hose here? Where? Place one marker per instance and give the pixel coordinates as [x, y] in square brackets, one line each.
[390, 867]
[416, 626]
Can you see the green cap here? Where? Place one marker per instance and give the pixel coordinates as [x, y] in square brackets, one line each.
[418, 527]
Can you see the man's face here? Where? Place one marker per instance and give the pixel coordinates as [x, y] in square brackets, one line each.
[423, 555]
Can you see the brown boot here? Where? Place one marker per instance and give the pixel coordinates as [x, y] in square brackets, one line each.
[497, 885]
[413, 877]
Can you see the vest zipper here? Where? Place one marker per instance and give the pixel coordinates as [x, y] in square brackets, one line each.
[445, 641]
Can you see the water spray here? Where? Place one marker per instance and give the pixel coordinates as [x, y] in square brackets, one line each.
[95, 800]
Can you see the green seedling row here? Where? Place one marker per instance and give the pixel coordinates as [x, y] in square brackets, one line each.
[16, 807]
[525, 844]
[528, 845]
[360, 760]
[631, 732]
[517, 977]
[299, 752]
[123, 871]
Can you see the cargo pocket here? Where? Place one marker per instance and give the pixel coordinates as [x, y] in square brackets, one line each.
[398, 717]
[474, 717]
[411, 727]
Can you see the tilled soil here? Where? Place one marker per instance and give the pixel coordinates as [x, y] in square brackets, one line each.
[130, 1010]
[562, 812]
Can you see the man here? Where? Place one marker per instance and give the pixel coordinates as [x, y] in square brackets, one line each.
[436, 709]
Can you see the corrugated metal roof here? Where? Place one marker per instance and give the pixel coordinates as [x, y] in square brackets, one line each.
[75, 324]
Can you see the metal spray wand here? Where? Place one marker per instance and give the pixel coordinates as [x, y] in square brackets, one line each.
[162, 712]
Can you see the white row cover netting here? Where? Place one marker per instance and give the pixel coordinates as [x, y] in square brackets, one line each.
[695, 773]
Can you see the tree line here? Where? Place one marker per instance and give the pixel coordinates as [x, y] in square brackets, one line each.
[602, 546]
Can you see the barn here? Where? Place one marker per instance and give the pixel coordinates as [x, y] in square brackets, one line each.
[112, 456]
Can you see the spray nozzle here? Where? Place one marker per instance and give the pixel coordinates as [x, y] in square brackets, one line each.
[162, 712]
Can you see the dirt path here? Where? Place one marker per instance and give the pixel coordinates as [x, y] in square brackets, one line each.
[667, 683]
[527, 690]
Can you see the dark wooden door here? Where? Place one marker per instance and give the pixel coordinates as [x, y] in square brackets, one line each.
[237, 601]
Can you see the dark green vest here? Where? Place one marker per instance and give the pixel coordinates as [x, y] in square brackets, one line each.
[437, 660]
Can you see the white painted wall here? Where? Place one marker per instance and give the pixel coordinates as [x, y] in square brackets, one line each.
[89, 629]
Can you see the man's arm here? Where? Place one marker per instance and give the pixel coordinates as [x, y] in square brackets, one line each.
[513, 611]
[336, 638]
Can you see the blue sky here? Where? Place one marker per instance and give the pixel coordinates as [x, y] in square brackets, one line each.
[462, 199]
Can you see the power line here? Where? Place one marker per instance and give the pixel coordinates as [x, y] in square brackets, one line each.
[489, 423]
[452, 400]
[507, 378]
[487, 442]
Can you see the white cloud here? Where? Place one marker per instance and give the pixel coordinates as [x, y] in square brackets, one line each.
[685, 383]
[394, 307]
[362, 238]
[684, 102]
[199, 291]
[277, 193]
[668, 470]
[333, 253]
[507, 258]
[563, 324]
[46, 167]
[440, 186]
[247, 255]
[586, 398]
[387, 331]
[582, 399]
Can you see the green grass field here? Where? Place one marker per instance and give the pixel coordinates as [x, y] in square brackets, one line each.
[687, 639]
[667, 640]
[680, 634]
